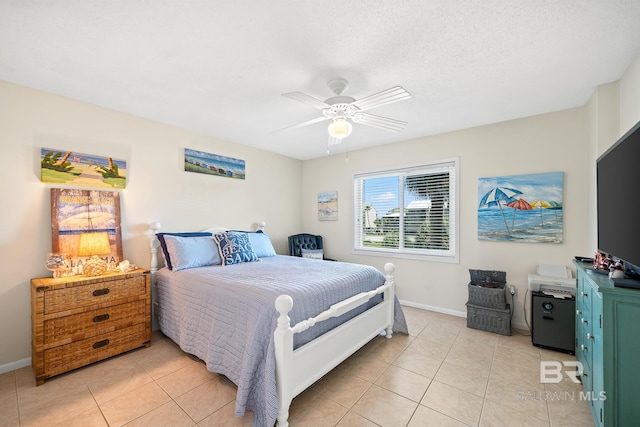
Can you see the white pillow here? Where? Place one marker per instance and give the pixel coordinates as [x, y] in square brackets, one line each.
[190, 252]
[312, 253]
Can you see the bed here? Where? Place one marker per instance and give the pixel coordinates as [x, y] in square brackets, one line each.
[273, 324]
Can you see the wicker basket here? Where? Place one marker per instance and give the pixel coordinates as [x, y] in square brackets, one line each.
[489, 319]
[490, 295]
[488, 276]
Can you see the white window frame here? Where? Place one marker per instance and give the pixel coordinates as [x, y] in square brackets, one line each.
[449, 256]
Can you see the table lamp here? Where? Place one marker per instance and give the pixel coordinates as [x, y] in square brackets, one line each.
[92, 245]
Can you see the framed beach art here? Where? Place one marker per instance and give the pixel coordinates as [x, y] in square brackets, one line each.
[521, 208]
[328, 206]
[213, 164]
[74, 212]
[64, 167]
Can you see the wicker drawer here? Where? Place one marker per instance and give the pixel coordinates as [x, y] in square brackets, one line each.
[95, 293]
[63, 330]
[71, 356]
[79, 320]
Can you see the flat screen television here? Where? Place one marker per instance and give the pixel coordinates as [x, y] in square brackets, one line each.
[618, 192]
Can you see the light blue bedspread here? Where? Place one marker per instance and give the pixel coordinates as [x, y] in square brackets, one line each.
[226, 316]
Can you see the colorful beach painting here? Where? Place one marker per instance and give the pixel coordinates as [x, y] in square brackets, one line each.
[213, 164]
[521, 208]
[80, 169]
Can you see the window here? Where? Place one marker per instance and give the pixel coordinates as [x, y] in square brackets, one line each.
[408, 212]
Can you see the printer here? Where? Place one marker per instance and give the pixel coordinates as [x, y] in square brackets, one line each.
[553, 280]
[553, 307]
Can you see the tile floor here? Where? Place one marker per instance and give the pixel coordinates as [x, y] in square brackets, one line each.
[443, 374]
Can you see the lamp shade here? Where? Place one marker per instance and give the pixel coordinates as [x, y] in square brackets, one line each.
[340, 128]
[94, 244]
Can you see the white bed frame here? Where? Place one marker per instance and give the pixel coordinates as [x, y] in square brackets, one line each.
[298, 369]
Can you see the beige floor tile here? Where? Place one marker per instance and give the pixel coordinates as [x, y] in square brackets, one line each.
[91, 418]
[342, 386]
[115, 377]
[364, 366]
[457, 404]
[226, 417]
[385, 408]
[516, 356]
[161, 358]
[403, 382]
[523, 374]
[426, 417]
[511, 392]
[497, 415]
[313, 409]
[202, 401]
[354, 420]
[433, 349]
[167, 415]
[129, 406]
[58, 409]
[53, 389]
[181, 381]
[466, 378]
[573, 411]
[418, 363]
[164, 386]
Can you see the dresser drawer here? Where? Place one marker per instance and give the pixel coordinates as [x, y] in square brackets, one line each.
[95, 293]
[63, 330]
[74, 355]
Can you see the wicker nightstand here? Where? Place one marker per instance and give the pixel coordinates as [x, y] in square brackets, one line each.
[79, 320]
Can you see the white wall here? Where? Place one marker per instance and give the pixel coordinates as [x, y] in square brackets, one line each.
[546, 143]
[158, 189]
[629, 90]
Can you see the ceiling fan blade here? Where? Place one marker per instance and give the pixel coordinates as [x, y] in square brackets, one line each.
[306, 99]
[385, 97]
[379, 122]
[299, 125]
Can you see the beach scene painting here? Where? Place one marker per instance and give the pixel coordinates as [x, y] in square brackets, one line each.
[213, 164]
[521, 208]
[76, 211]
[83, 170]
[328, 206]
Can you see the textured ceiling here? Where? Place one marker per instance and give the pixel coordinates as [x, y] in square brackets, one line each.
[220, 67]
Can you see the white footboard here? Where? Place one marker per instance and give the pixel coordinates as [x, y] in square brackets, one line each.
[297, 370]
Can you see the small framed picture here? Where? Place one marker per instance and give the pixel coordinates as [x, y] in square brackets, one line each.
[328, 206]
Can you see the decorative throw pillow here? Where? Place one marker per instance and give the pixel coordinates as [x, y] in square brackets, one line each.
[260, 243]
[163, 245]
[190, 252]
[312, 253]
[235, 248]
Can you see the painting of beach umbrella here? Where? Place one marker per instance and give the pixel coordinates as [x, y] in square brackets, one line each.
[540, 204]
[518, 205]
[495, 196]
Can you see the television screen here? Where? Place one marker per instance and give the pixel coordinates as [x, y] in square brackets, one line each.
[618, 191]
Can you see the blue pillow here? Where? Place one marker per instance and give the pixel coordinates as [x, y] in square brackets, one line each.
[235, 248]
[260, 243]
[190, 252]
[163, 245]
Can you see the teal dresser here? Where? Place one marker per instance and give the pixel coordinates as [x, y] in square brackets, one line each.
[608, 347]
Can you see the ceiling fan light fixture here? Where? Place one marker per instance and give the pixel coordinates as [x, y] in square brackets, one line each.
[340, 128]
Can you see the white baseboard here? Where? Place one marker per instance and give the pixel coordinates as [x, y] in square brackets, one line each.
[433, 308]
[522, 326]
[12, 366]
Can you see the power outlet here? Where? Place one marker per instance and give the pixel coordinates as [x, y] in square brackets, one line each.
[512, 289]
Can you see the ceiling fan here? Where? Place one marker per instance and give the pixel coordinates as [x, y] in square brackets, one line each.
[341, 108]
